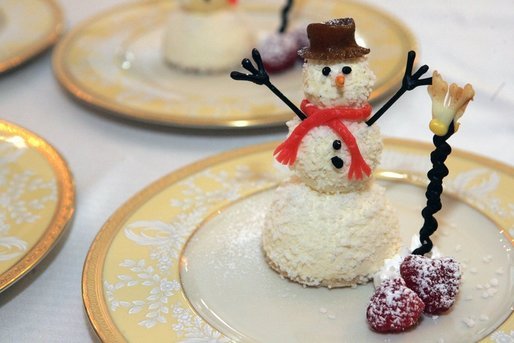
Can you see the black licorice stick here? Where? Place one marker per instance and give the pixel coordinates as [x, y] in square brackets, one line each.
[409, 82]
[259, 76]
[434, 190]
[386, 106]
[288, 102]
[285, 16]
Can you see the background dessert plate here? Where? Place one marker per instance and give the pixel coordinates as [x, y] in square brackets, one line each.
[27, 28]
[36, 201]
[181, 260]
[114, 62]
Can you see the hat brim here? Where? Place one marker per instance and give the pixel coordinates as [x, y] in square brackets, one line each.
[334, 54]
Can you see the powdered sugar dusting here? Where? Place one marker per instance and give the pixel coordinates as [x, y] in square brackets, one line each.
[281, 295]
[391, 267]
[278, 51]
[244, 247]
[394, 307]
[470, 322]
[436, 281]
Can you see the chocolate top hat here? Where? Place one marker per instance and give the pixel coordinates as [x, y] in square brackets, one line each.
[332, 40]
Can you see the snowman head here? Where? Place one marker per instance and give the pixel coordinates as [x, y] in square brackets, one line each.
[336, 71]
[206, 5]
[331, 83]
[332, 149]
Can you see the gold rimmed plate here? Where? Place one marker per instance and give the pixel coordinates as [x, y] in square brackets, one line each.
[27, 28]
[113, 62]
[181, 260]
[36, 201]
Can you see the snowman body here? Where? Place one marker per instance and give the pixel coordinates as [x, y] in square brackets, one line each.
[325, 228]
[206, 36]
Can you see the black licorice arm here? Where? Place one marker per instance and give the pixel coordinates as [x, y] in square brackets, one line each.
[409, 82]
[259, 76]
[434, 190]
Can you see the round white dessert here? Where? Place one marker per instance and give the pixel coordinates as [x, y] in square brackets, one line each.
[331, 240]
[206, 41]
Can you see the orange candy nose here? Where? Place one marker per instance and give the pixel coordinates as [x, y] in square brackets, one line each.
[339, 81]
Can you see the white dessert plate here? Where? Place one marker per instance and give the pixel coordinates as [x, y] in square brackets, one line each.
[36, 201]
[27, 28]
[181, 260]
[113, 62]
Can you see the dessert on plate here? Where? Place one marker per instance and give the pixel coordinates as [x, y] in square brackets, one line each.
[206, 36]
[329, 223]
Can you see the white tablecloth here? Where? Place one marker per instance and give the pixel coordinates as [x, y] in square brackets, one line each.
[468, 41]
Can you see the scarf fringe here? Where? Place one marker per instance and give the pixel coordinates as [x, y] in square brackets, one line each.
[287, 151]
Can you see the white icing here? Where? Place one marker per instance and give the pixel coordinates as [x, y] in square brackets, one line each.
[470, 322]
[391, 267]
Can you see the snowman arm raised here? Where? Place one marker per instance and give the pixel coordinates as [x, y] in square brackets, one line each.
[409, 82]
[260, 76]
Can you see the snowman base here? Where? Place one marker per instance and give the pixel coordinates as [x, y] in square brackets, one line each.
[333, 283]
[329, 240]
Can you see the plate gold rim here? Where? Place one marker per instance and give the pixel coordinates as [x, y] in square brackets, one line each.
[96, 101]
[64, 208]
[92, 290]
[34, 50]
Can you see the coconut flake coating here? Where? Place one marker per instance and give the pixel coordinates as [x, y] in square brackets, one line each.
[206, 41]
[332, 240]
[313, 164]
[322, 91]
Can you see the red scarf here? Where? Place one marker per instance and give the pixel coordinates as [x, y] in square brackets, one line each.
[332, 117]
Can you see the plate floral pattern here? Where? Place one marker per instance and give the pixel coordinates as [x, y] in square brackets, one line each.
[131, 283]
[36, 201]
[25, 195]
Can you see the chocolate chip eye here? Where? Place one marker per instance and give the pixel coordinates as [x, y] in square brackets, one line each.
[336, 144]
[337, 162]
[347, 70]
[326, 71]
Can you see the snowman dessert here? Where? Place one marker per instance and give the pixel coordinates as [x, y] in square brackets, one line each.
[330, 224]
[206, 36]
